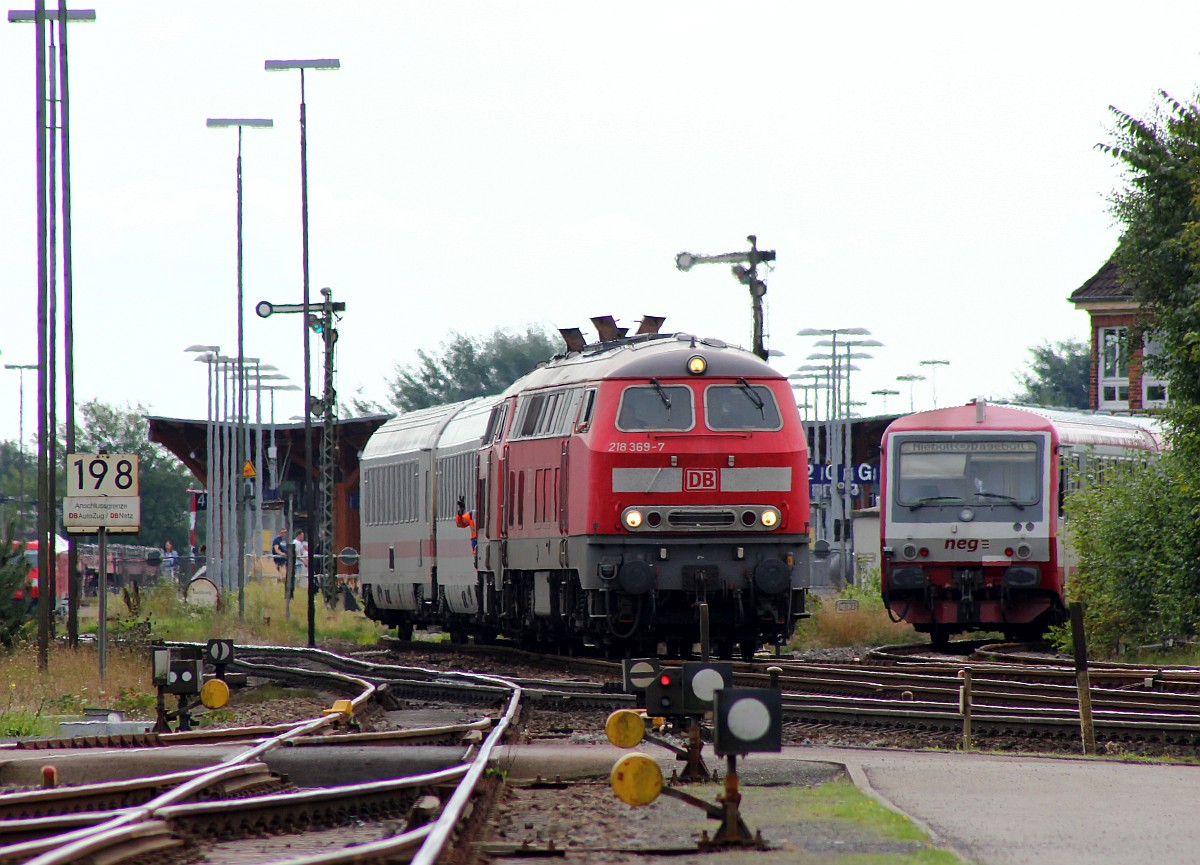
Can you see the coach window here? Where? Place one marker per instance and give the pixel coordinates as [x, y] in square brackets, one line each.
[1114, 368]
[655, 407]
[741, 407]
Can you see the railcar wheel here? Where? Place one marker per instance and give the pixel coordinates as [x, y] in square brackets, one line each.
[404, 631]
[748, 647]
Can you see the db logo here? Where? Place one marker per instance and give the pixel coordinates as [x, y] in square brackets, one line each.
[700, 479]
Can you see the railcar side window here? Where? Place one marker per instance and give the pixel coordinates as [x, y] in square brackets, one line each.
[655, 407]
[741, 407]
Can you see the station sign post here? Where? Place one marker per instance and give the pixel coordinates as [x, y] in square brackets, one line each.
[102, 496]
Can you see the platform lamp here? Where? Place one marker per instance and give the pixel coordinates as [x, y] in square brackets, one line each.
[911, 378]
[207, 354]
[933, 365]
[885, 393]
[240, 123]
[310, 493]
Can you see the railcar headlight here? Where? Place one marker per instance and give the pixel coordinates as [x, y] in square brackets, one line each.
[696, 364]
[770, 518]
[1024, 551]
[633, 518]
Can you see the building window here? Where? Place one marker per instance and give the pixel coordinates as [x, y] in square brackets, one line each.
[1154, 390]
[1114, 368]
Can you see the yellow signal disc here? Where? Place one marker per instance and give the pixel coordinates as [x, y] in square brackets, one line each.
[636, 779]
[214, 694]
[625, 728]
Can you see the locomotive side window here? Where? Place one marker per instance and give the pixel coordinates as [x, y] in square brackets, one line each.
[528, 415]
[655, 407]
[741, 407]
[495, 426]
[585, 411]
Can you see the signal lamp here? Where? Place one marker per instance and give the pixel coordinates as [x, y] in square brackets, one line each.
[1008, 551]
[697, 365]
[925, 552]
[633, 518]
[770, 518]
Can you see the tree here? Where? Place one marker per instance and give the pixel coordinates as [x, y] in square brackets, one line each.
[1159, 251]
[163, 481]
[1057, 375]
[469, 367]
[14, 617]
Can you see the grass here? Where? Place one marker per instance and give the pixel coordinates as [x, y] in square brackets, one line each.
[70, 684]
[866, 833]
[267, 619]
[72, 681]
[866, 625]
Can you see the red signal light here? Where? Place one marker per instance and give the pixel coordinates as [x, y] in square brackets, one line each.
[924, 552]
[1008, 551]
[665, 680]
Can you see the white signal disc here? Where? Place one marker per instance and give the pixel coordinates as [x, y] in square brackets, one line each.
[705, 682]
[642, 674]
[749, 719]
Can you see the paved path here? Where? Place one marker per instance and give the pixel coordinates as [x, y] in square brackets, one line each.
[1000, 810]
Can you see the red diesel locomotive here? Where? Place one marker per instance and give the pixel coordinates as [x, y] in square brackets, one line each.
[972, 522]
[614, 489]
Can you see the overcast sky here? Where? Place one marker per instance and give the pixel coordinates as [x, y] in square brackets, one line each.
[924, 170]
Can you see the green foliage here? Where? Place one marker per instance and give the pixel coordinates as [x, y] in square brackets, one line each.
[1136, 535]
[469, 367]
[14, 618]
[1159, 252]
[1057, 375]
[163, 481]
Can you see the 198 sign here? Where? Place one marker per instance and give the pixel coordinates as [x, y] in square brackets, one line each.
[102, 475]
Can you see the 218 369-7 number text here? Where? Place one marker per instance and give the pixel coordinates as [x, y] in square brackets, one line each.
[635, 447]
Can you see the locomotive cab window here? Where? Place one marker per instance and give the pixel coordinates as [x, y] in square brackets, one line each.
[975, 471]
[655, 407]
[741, 406]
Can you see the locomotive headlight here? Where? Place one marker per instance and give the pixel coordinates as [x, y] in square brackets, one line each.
[770, 518]
[633, 518]
[696, 365]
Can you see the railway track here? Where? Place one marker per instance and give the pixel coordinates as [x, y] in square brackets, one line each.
[239, 810]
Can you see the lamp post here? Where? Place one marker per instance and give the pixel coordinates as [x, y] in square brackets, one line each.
[240, 123]
[302, 65]
[885, 393]
[911, 379]
[207, 357]
[20, 368]
[933, 365]
[845, 455]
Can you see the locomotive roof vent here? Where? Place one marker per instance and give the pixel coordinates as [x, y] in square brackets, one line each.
[608, 331]
[980, 408]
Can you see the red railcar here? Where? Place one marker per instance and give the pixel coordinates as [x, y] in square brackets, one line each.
[972, 517]
[614, 489]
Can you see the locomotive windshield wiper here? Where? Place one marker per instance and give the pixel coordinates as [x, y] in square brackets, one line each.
[1010, 499]
[754, 398]
[921, 502]
[662, 394]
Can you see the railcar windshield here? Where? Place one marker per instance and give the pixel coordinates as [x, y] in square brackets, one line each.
[971, 471]
[741, 407]
[656, 407]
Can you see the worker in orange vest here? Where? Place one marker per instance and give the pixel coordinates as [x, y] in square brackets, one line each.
[464, 518]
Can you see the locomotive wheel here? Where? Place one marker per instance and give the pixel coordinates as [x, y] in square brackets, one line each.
[748, 646]
[404, 631]
[939, 636]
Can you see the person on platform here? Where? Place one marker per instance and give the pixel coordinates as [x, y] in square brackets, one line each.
[279, 552]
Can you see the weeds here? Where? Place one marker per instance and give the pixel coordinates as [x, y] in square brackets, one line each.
[866, 623]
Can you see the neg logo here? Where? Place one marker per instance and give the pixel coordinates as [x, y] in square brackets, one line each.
[970, 545]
